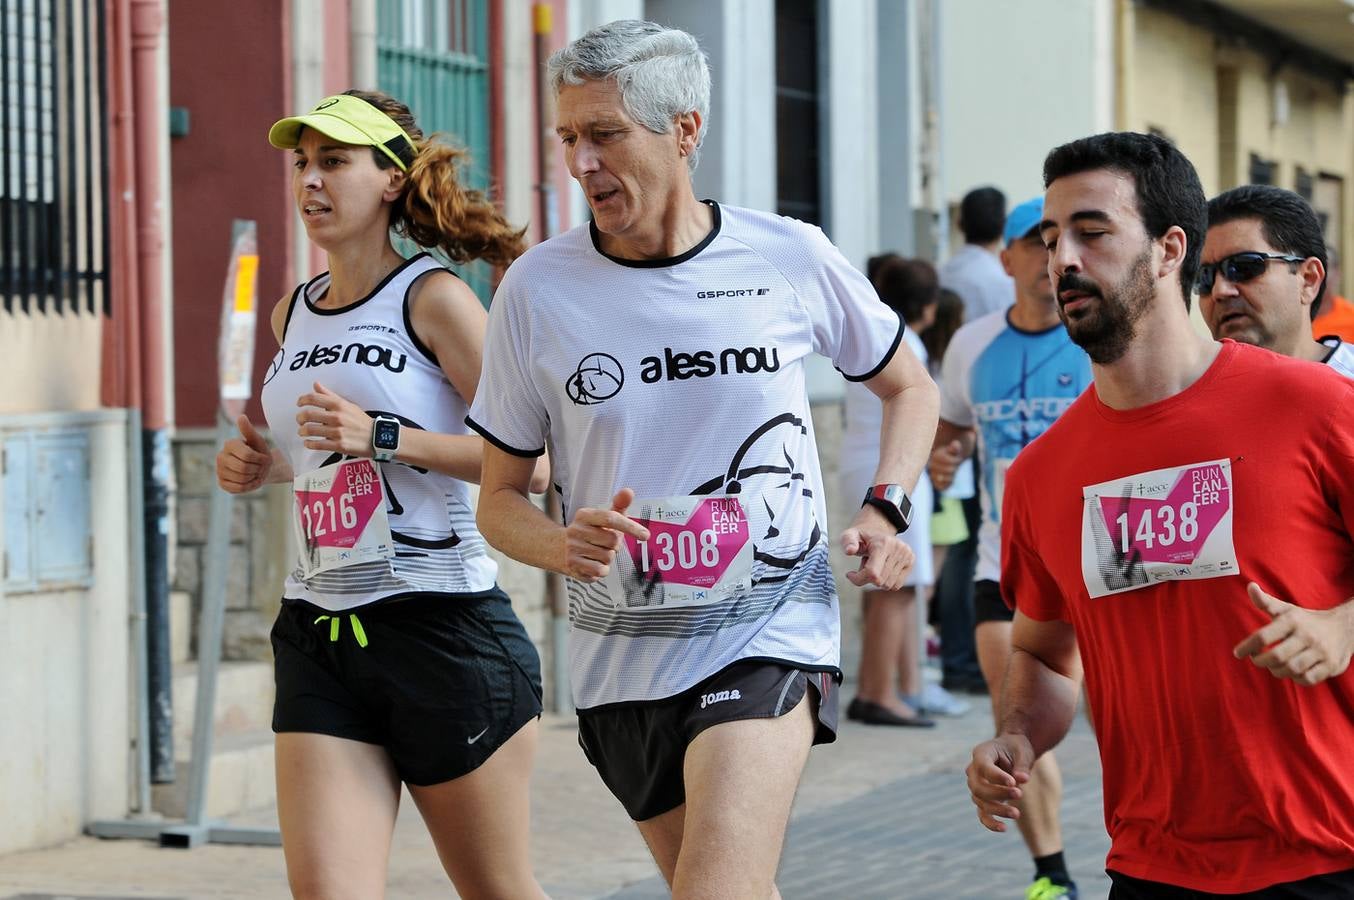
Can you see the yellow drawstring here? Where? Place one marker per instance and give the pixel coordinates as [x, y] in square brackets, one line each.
[334, 621]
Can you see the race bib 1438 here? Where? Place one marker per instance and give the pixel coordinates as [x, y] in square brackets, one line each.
[1164, 525]
[341, 517]
[699, 552]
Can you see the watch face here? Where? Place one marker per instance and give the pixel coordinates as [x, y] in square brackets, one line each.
[386, 435]
[893, 502]
[894, 493]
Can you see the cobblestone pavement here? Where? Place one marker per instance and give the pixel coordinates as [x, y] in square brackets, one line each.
[882, 813]
[909, 838]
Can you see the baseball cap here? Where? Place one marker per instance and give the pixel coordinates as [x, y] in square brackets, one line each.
[1023, 219]
[349, 120]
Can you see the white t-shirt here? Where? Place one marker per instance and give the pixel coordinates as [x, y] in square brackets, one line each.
[860, 457]
[977, 277]
[1341, 357]
[684, 377]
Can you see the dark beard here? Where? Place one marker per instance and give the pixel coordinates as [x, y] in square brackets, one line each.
[1107, 327]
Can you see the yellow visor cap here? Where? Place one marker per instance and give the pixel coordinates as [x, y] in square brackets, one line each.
[348, 120]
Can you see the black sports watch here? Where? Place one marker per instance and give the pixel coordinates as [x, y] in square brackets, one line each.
[891, 500]
[385, 438]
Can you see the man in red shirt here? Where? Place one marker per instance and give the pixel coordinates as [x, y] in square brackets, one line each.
[1187, 524]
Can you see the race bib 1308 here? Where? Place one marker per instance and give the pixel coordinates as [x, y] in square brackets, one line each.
[1164, 525]
[699, 552]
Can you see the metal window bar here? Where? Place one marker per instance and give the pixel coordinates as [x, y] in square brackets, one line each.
[18, 191]
[433, 55]
[42, 108]
[53, 209]
[98, 283]
[68, 289]
[8, 227]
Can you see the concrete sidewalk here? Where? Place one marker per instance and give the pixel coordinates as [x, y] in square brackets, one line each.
[882, 813]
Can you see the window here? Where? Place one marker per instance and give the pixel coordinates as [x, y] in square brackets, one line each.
[1328, 199]
[1303, 183]
[1263, 171]
[798, 143]
[53, 221]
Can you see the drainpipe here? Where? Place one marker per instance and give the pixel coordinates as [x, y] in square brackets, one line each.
[556, 597]
[147, 24]
[121, 357]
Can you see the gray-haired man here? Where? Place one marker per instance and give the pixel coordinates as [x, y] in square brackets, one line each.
[658, 352]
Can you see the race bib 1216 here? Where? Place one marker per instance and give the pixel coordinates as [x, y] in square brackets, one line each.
[699, 552]
[1164, 525]
[341, 517]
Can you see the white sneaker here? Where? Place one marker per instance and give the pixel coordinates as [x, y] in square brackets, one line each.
[935, 699]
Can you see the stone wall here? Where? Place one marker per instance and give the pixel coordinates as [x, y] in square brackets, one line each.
[261, 547]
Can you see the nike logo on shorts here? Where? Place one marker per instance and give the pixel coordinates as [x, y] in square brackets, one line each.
[477, 737]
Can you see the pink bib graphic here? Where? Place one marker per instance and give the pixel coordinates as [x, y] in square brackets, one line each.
[340, 517]
[337, 517]
[1171, 524]
[699, 553]
[696, 551]
[1173, 529]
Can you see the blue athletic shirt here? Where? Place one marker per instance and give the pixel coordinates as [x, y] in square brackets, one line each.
[1010, 385]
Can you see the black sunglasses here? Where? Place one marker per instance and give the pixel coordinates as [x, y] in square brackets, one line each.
[1240, 267]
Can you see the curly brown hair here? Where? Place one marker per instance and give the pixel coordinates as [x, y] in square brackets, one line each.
[436, 210]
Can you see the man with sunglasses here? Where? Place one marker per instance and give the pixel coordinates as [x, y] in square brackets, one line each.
[1188, 526]
[1264, 273]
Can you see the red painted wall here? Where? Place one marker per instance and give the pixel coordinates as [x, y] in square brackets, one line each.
[233, 74]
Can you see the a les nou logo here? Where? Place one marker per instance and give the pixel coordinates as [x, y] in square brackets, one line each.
[599, 377]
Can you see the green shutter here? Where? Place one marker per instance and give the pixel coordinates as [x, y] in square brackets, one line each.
[433, 55]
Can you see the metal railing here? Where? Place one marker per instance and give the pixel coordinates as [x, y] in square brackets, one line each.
[53, 156]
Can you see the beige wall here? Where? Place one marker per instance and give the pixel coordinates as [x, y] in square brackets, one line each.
[51, 362]
[1173, 85]
[1004, 105]
[1174, 88]
[65, 673]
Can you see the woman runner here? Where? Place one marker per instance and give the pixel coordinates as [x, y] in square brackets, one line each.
[398, 659]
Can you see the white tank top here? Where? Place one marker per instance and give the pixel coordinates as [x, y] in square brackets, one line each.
[368, 353]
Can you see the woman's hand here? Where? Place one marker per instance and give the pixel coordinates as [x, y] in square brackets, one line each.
[329, 422]
[244, 462]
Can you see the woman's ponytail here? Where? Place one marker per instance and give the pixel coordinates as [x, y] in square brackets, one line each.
[436, 210]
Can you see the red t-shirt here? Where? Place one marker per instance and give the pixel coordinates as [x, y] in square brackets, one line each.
[1218, 776]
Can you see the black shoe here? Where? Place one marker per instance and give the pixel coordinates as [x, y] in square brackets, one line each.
[873, 714]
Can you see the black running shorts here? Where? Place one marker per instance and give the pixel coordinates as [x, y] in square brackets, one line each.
[988, 605]
[443, 681]
[1336, 886]
[639, 748]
